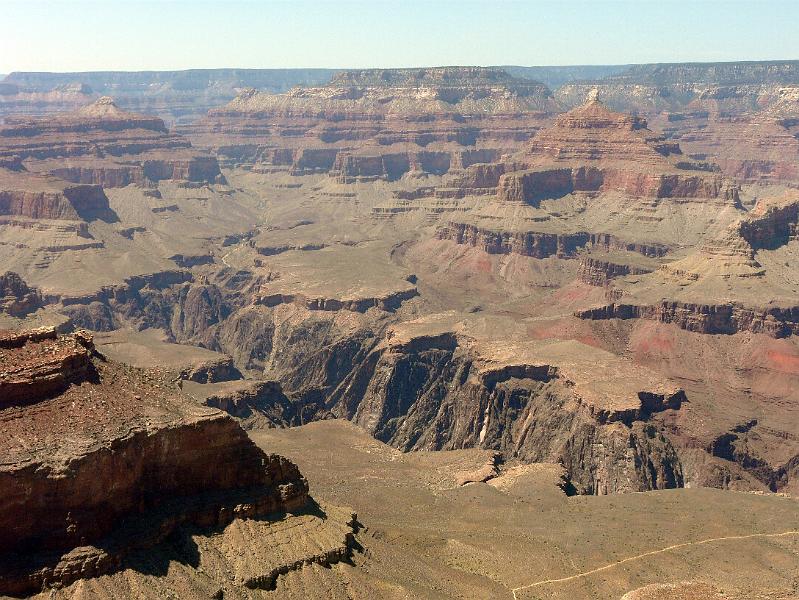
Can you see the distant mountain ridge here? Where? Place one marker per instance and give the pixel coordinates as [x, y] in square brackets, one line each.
[180, 97]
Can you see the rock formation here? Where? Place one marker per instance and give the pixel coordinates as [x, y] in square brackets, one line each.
[70, 421]
[430, 393]
[36, 196]
[591, 149]
[380, 124]
[16, 298]
[104, 145]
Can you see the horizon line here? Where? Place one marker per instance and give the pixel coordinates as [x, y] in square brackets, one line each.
[539, 66]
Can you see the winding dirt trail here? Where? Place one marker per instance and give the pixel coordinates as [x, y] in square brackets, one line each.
[651, 553]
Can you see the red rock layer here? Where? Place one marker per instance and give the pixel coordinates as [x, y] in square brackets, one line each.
[46, 198]
[366, 126]
[706, 318]
[538, 244]
[104, 145]
[37, 365]
[593, 150]
[143, 171]
[112, 462]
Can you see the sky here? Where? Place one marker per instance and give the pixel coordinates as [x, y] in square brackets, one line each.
[87, 35]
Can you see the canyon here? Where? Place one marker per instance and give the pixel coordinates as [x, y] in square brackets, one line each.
[237, 307]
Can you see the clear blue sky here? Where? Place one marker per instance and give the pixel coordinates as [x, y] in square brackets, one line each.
[80, 35]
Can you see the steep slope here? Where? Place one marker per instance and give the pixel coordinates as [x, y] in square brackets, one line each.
[103, 144]
[380, 124]
[100, 459]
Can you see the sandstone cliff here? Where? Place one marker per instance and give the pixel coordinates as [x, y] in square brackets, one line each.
[380, 124]
[104, 145]
[725, 318]
[16, 297]
[104, 459]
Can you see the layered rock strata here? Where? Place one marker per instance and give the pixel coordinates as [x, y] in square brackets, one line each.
[536, 244]
[726, 318]
[599, 272]
[114, 462]
[101, 144]
[429, 393]
[43, 365]
[380, 124]
[16, 297]
[735, 87]
[591, 149]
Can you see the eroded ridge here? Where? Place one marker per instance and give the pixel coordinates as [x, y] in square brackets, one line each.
[103, 459]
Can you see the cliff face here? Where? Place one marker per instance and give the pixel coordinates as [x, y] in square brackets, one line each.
[427, 394]
[16, 298]
[608, 422]
[38, 197]
[106, 146]
[725, 318]
[532, 186]
[136, 463]
[380, 124]
[598, 272]
[142, 172]
[770, 226]
[540, 245]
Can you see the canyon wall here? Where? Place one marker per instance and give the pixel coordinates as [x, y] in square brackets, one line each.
[119, 462]
[706, 318]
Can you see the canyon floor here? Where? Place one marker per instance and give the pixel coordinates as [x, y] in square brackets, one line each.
[520, 536]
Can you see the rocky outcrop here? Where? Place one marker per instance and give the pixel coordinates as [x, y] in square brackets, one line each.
[16, 298]
[539, 244]
[211, 371]
[264, 404]
[706, 318]
[599, 272]
[771, 225]
[118, 463]
[142, 299]
[37, 197]
[426, 393]
[38, 364]
[379, 124]
[533, 244]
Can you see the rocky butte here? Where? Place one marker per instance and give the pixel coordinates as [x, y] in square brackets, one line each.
[379, 124]
[104, 145]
